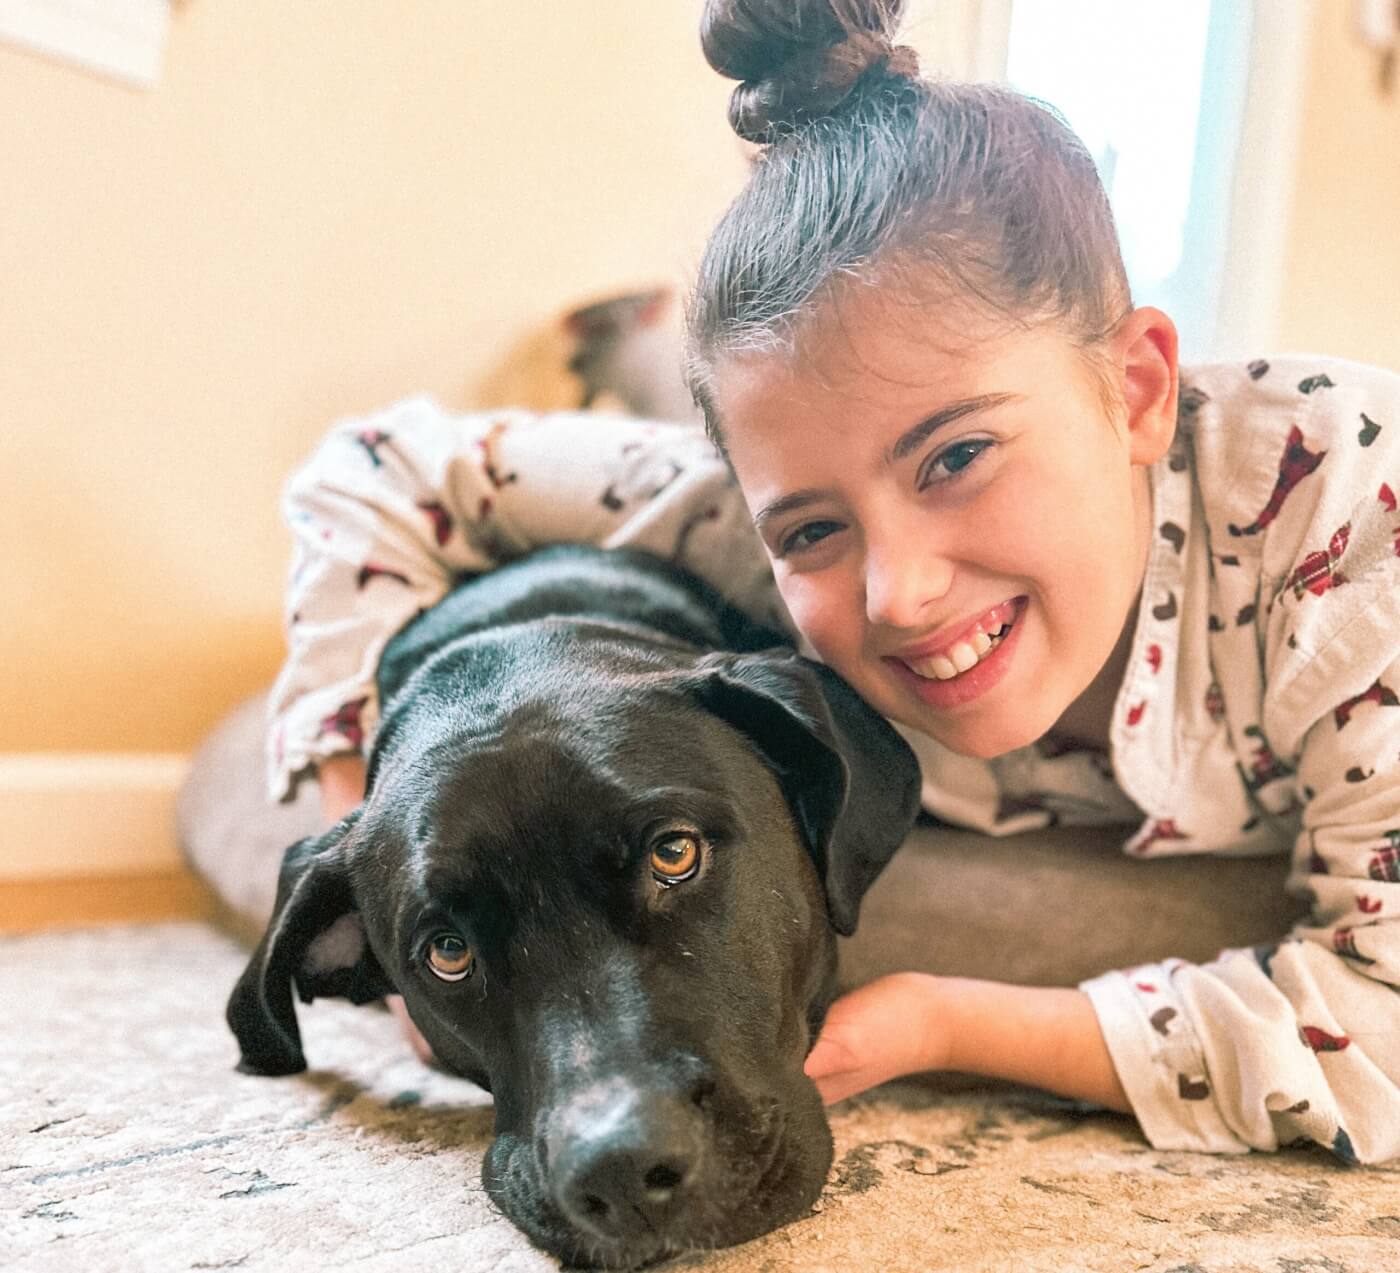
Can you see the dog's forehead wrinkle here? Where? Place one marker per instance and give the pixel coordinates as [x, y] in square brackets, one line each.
[476, 684]
[528, 761]
[550, 759]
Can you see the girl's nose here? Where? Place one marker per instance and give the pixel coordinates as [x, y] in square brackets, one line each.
[902, 580]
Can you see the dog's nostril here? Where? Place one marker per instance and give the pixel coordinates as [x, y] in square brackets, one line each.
[662, 1180]
[632, 1167]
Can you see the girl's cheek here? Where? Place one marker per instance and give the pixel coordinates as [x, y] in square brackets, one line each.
[796, 594]
[822, 611]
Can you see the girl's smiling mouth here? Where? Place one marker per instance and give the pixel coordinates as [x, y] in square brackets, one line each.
[947, 673]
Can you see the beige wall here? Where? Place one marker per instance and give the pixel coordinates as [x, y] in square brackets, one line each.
[323, 206]
[326, 205]
[1341, 292]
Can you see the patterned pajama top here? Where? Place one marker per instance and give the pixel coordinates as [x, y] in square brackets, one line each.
[1260, 712]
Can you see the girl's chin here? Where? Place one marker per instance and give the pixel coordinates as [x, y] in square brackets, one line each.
[981, 744]
[991, 731]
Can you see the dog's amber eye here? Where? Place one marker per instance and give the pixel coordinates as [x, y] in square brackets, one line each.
[675, 858]
[450, 957]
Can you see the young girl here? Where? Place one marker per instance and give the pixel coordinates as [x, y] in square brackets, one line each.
[1088, 592]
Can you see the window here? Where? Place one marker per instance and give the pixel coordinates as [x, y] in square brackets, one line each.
[1191, 110]
[1157, 93]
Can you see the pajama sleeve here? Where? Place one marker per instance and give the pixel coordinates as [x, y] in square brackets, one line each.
[390, 510]
[1298, 1041]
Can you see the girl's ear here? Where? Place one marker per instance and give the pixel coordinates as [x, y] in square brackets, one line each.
[1145, 352]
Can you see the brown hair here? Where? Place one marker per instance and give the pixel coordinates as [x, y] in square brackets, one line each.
[869, 171]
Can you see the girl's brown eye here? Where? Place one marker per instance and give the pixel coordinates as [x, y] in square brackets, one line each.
[675, 858]
[451, 958]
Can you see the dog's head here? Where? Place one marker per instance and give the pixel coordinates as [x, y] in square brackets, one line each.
[609, 897]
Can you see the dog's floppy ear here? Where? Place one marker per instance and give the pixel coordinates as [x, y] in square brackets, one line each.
[314, 939]
[851, 780]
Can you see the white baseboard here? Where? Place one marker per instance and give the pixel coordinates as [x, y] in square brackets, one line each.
[88, 814]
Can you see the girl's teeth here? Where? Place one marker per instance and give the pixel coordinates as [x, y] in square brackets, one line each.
[964, 655]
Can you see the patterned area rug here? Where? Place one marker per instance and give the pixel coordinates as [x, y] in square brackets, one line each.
[128, 1142]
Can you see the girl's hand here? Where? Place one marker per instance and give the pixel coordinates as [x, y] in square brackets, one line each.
[882, 1030]
[1040, 1036]
[342, 780]
[421, 1048]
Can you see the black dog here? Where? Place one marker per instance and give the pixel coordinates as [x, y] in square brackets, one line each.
[604, 846]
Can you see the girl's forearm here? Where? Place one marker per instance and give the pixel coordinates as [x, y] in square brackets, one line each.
[342, 781]
[1044, 1037]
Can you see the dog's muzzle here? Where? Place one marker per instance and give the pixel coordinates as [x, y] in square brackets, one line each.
[625, 1162]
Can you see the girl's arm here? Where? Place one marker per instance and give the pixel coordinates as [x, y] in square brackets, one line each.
[392, 509]
[1257, 1049]
[1300, 1040]
[342, 780]
[911, 1022]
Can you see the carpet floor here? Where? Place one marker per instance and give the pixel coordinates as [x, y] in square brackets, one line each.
[128, 1142]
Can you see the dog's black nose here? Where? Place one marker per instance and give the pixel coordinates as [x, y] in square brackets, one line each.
[622, 1164]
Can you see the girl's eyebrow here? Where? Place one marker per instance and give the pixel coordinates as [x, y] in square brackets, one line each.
[784, 504]
[906, 442]
[916, 436]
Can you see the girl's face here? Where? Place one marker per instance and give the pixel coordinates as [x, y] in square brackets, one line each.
[957, 522]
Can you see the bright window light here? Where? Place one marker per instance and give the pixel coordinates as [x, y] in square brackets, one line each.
[1155, 91]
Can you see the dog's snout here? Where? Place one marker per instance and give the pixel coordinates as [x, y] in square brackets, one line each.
[623, 1162]
[618, 1186]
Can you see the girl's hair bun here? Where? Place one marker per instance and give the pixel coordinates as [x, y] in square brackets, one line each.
[798, 60]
